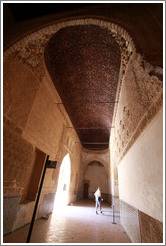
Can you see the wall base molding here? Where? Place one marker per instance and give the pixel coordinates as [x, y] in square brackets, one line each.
[140, 227]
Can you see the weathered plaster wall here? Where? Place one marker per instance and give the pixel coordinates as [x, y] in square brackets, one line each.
[141, 172]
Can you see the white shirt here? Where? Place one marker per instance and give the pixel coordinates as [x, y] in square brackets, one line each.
[97, 193]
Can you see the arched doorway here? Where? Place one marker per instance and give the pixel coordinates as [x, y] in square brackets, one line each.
[95, 176]
[61, 198]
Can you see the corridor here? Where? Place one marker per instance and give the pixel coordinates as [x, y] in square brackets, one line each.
[82, 109]
[76, 223]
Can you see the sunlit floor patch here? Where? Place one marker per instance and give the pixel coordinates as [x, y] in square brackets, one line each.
[77, 223]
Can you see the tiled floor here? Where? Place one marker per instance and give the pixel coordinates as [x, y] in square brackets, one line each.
[77, 223]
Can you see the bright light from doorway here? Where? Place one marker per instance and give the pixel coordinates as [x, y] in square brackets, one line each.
[62, 193]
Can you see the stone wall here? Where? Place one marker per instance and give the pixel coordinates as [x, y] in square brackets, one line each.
[17, 158]
[17, 102]
[10, 209]
[33, 121]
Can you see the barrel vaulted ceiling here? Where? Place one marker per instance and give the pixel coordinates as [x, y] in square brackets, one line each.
[84, 63]
[84, 60]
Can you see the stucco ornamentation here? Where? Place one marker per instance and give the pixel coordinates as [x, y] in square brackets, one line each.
[30, 49]
[141, 93]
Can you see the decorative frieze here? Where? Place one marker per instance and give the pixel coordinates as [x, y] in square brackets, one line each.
[30, 49]
[140, 99]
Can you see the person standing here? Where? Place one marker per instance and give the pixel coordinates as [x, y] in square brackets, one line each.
[97, 195]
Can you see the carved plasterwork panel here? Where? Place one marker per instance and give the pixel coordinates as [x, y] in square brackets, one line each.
[140, 99]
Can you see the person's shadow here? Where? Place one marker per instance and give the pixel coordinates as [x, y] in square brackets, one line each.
[110, 213]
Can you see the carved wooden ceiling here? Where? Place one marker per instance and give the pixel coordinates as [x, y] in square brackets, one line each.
[84, 63]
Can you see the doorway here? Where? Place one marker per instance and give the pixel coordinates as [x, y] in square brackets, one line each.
[86, 190]
[62, 194]
[95, 173]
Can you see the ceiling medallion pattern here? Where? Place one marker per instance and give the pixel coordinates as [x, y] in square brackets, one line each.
[84, 63]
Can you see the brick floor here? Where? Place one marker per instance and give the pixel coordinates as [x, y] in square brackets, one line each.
[77, 223]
